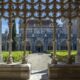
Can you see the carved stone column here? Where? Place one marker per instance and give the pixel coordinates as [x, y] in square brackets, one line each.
[10, 59]
[1, 59]
[78, 42]
[54, 44]
[69, 42]
[24, 59]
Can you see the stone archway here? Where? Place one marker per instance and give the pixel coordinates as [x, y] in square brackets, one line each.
[39, 46]
[50, 46]
[28, 47]
[63, 45]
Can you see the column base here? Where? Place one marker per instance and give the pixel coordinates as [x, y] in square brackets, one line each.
[24, 60]
[69, 60]
[54, 61]
[10, 60]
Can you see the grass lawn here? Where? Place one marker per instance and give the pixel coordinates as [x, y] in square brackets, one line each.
[63, 52]
[61, 55]
[17, 55]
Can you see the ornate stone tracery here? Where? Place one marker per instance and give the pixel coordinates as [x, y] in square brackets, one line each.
[38, 8]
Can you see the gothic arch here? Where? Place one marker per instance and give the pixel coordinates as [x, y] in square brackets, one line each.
[39, 46]
[28, 46]
[63, 45]
[50, 45]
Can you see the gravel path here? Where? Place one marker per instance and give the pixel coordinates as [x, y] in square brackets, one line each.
[39, 63]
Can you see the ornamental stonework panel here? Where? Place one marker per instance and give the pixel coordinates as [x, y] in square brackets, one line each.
[40, 9]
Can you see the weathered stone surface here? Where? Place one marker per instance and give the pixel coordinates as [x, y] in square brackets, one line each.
[14, 71]
[64, 71]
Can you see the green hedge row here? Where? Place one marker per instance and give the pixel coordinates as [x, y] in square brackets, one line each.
[61, 55]
[17, 55]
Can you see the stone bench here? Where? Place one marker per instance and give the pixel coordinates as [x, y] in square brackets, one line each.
[64, 71]
[14, 71]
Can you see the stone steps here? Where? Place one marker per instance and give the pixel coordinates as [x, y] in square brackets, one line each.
[39, 75]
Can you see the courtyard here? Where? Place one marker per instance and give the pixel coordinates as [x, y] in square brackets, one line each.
[39, 40]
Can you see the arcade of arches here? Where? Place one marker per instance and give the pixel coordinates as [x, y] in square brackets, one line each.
[39, 46]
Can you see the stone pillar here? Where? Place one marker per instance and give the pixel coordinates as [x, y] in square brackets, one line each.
[24, 59]
[1, 59]
[77, 60]
[10, 23]
[54, 44]
[69, 42]
[10, 59]
[6, 40]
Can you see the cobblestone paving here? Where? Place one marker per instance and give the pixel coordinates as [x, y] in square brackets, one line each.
[39, 62]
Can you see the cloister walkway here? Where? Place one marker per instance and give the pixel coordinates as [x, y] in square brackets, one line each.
[39, 62]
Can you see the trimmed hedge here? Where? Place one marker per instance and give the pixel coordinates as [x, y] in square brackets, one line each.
[61, 55]
[17, 55]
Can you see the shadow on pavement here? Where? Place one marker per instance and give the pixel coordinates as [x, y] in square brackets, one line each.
[44, 77]
[39, 72]
[44, 74]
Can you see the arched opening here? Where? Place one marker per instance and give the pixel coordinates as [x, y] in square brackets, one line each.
[39, 46]
[50, 46]
[28, 47]
[63, 46]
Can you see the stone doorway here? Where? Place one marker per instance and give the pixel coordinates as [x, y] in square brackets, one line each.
[39, 47]
[50, 45]
[28, 47]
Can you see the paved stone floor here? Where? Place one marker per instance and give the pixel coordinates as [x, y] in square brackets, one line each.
[39, 75]
[39, 62]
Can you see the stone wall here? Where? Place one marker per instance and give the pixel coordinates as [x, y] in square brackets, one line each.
[14, 71]
[64, 71]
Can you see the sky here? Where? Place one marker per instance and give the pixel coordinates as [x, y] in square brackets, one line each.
[5, 25]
